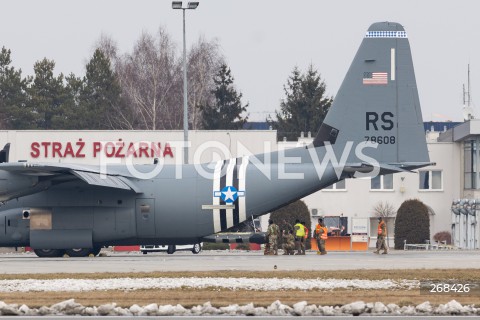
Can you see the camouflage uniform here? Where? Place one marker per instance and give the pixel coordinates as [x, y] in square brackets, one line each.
[382, 233]
[272, 234]
[319, 231]
[321, 242]
[288, 245]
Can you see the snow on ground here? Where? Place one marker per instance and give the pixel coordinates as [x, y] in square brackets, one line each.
[259, 284]
[70, 307]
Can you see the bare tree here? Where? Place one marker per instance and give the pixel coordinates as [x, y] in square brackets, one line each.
[384, 209]
[121, 115]
[150, 78]
[109, 47]
[204, 60]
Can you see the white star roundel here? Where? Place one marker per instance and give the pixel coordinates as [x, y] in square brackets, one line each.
[229, 194]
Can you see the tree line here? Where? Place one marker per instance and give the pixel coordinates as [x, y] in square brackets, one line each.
[143, 90]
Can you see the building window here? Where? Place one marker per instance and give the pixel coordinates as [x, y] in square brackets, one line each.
[383, 182]
[340, 185]
[470, 164]
[430, 180]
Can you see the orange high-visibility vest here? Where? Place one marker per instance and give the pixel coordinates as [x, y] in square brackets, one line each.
[324, 235]
[379, 231]
[306, 233]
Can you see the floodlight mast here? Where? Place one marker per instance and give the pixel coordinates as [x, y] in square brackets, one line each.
[190, 6]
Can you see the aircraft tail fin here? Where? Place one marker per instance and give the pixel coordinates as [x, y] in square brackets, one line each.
[378, 101]
[5, 153]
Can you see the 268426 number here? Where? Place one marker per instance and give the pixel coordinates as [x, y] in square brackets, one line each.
[449, 287]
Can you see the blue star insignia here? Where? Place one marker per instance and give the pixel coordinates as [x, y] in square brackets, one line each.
[229, 194]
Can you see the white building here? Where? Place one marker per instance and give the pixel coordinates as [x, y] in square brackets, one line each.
[454, 176]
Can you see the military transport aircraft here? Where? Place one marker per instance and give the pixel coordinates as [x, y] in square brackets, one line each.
[374, 126]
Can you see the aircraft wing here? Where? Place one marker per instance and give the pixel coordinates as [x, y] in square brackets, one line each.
[111, 181]
[40, 176]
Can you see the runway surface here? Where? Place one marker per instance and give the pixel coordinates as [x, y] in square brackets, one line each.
[21, 263]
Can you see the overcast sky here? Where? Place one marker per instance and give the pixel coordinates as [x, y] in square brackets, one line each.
[262, 40]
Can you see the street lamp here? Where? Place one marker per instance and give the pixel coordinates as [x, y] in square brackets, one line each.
[179, 5]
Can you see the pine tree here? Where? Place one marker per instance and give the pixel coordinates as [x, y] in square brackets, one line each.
[13, 111]
[226, 112]
[47, 96]
[99, 93]
[74, 110]
[305, 105]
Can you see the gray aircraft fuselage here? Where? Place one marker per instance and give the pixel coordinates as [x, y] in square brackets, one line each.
[167, 211]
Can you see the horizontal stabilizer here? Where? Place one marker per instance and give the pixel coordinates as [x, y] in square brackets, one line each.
[386, 168]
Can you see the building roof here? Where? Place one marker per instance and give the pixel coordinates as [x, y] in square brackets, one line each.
[259, 125]
[439, 126]
[464, 131]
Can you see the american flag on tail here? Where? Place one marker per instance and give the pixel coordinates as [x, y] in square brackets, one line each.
[375, 78]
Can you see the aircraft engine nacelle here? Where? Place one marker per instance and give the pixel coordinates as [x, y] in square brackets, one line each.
[14, 229]
[16, 185]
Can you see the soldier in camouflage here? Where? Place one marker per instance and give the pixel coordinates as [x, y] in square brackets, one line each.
[288, 245]
[381, 235]
[321, 234]
[272, 235]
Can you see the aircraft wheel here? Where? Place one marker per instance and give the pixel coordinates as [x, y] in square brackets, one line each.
[80, 252]
[144, 252]
[49, 253]
[171, 249]
[96, 251]
[196, 248]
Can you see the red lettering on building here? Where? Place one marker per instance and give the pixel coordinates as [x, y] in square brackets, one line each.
[110, 149]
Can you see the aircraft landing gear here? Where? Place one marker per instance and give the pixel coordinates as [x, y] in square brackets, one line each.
[49, 253]
[80, 252]
[96, 250]
[77, 252]
[171, 249]
[83, 252]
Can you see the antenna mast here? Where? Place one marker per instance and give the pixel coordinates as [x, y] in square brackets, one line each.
[467, 109]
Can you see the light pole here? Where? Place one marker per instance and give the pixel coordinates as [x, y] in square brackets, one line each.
[179, 5]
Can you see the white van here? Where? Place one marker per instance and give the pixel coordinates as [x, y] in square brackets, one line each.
[170, 249]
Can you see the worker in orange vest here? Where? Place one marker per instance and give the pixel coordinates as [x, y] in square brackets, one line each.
[321, 235]
[381, 235]
[305, 237]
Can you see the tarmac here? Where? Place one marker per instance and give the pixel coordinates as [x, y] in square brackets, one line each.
[109, 261]
[25, 263]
